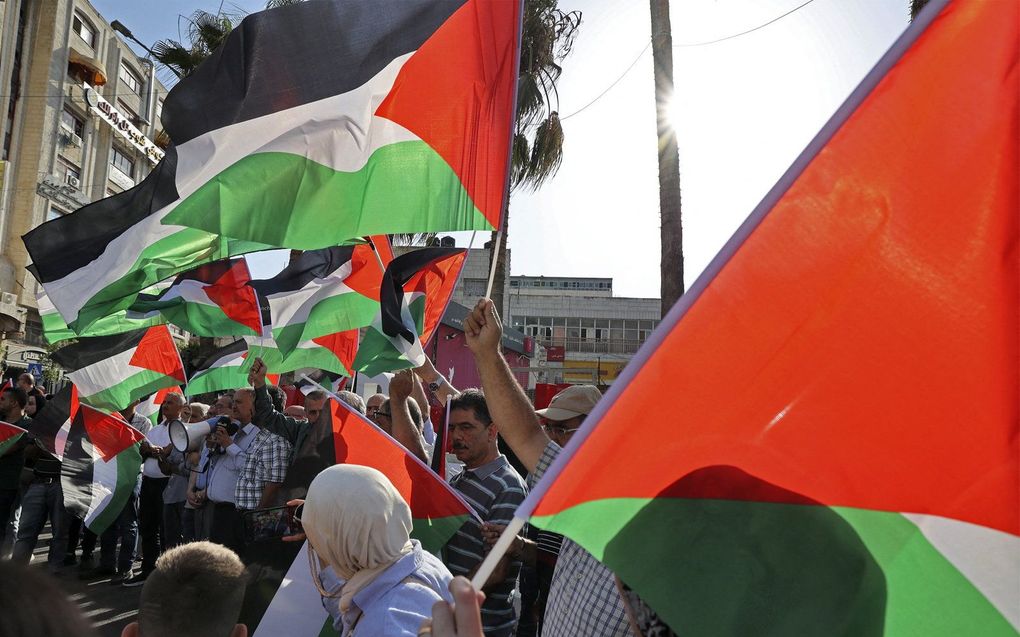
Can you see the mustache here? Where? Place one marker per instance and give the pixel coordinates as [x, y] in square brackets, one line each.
[459, 445]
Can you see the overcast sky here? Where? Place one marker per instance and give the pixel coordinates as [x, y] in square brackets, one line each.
[744, 109]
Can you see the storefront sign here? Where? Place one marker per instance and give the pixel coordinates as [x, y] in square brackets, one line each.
[122, 125]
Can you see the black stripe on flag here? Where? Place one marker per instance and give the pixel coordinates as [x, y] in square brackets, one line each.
[76, 471]
[230, 350]
[298, 54]
[93, 349]
[68, 243]
[48, 422]
[391, 293]
[308, 266]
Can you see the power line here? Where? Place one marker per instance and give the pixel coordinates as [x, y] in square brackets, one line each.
[742, 33]
[684, 45]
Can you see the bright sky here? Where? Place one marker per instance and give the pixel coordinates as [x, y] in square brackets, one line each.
[745, 108]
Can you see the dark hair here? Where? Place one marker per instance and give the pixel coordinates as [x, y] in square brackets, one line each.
[315, 394]
[277, 396]
[176, 596]
[474, 400]
[20, 395]
[40, 402]
[35, 605]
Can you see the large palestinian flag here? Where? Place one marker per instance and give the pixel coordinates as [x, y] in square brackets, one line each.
[332, 353]
[833, 449]
[100, 467]
[214, 299]
[111, 372]
[375, 116]
[279, 574]
[322, 292]
[52, 425]
[9, 436]
[415, 291]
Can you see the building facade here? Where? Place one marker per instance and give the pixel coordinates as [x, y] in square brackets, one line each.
[80, 116]
[582, 333]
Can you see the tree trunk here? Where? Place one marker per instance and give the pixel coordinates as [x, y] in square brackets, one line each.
[499, 280]
[671, 265]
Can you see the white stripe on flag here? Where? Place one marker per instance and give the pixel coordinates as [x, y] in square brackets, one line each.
[104, 482]
[296, 610]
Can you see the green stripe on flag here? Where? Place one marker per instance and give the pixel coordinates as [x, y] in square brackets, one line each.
[161, 260]
[712, 567]
[129, 465]
[330, 315]
[217, 379]
[129, 390]
[9, 442]
[302, 204]
[204, 320]
[317, 357]
[435, 533]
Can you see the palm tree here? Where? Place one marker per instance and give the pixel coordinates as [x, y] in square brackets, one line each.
[205, 32]
[916, 6]
[537, 149]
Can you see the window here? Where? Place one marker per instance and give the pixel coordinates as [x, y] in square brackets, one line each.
[159, 109]
[84, 30]
[54, 213]
[72, 123]
[122, 162]
[127, 110]
[515, 284]
[130, 78]
[67, 169]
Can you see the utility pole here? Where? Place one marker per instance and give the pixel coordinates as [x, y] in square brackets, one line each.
[671, 264]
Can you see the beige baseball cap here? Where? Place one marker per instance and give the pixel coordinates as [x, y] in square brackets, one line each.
[576, 400]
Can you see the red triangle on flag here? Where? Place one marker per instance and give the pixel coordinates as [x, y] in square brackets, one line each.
[108, 434]
[158, 351]
[235, 297]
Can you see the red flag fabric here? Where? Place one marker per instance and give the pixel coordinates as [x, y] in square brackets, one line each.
[821, 437]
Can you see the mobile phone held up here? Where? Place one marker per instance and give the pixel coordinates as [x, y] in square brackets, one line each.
[270, 524]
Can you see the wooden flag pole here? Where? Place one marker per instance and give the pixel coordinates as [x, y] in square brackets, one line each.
[492, 270]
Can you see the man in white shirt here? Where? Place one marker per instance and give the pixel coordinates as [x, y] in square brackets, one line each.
[225, 464]
[156, 447]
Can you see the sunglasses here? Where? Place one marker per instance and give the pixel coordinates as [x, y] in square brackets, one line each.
[556, 430]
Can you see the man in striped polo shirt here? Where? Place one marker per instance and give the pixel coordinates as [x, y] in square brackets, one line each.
[494, 490]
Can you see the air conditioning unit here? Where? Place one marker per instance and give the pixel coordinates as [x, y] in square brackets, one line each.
[9, 299]
[73, 181]
[74, 140]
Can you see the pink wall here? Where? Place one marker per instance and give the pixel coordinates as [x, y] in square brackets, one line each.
[453, 352]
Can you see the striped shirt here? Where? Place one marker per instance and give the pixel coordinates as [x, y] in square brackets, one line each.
[583, 598]
[494, 490]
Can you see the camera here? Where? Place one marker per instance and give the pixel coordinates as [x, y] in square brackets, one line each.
[228, 424]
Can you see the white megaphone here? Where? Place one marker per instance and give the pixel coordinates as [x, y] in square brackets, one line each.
[190, 436]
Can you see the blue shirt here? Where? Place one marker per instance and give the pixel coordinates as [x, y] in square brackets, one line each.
[398, 600]
[224, 468]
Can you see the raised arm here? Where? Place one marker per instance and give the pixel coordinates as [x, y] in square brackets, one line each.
[430, 376]
[404, 429]
[265, 416]
[509, 406]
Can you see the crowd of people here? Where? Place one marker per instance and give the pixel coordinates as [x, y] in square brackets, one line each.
[372, 577]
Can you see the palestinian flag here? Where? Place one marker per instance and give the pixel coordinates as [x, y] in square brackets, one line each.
[834, 446]
[9, 436]
[279, 571]
[214, 299]
[52, 425]
[55, 330]
[7, 384]
[376, 116]
[111, 372]
[100, 467]
[331, 353]
[221, 370]
[149, 408]
[322, 292]
[416, 289]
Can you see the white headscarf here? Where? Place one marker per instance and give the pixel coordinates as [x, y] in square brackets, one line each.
[357, 523]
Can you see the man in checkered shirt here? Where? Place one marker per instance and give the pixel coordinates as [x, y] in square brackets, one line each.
[583, 597]
[265, 465]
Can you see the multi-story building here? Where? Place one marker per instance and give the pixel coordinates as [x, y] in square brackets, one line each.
[80, 113]
[582, 333]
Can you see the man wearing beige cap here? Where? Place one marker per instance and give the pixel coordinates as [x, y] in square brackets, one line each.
[567, 411]
[583, 598]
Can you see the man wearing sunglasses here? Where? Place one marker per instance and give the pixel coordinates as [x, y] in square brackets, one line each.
[567, 411]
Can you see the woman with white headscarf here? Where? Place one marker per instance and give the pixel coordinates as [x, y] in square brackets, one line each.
[359, 527]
